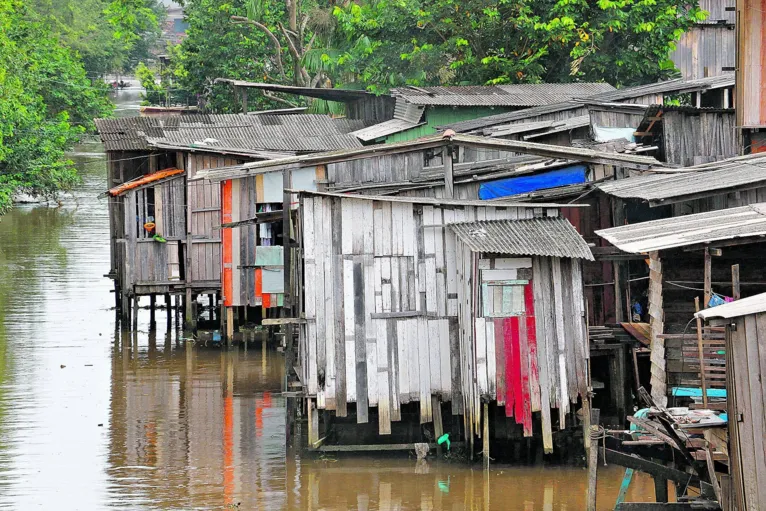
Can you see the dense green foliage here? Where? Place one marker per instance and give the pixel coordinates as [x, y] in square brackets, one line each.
[47, 99]
[379, 44]
[111, 36]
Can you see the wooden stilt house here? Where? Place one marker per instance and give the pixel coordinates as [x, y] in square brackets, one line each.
[399, 296]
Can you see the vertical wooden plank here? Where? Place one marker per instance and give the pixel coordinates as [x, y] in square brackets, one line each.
[385, 276]
[444, 354]
[450, 263]
[480, 336]
[425, 371]
[412, 343]
[558, 308]
[394, 279]
[756, 419]
[335, 335]
[580, 333]
[403, 353]
[378, 285]
[499, 340]
[349, 327]
[393, 369]
[569, 328]
[656, 322]
[382, 376]
[491, 360]
[534, 380]
[434, 354]
[385, 229]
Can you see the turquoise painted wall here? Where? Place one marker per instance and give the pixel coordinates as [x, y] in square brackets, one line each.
[439, 116]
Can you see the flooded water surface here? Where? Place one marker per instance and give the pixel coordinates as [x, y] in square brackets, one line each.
[92, 418]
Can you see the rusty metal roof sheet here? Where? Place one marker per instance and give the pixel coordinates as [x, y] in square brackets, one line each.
[144, 180]
[737, 173]
[614, 95]
[683, 231]
[525, 94]
[239, 134]
[547, 237]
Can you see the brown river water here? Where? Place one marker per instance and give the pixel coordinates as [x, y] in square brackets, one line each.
[92, 418]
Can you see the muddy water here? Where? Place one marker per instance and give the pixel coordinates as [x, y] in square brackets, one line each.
[92, 418]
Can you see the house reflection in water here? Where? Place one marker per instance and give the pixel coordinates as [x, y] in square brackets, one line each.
[199, 428]
[196, 428]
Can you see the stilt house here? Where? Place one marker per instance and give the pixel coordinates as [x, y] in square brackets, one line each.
[418, 302]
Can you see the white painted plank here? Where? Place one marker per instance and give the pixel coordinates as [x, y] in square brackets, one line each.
[480, 331]
[445, 358]
[414, 362]
[326, 270]
[347, 226]
[451, 265]
[487, 275]
[385, 274]
[408, 230]
[349, 329]
[396, 298]
[491, 360]
[424, 371]
[561, 339]
[434, 354]
[377, 217]
[430, 268]
[372, 328]
[378, 286]
[396, 230]
[385, 228]
[403, 353]
[383, 391]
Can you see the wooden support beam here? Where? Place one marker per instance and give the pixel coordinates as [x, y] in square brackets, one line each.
[135, 313]
[485, 437]
[655, 469]
[313, 423]
[658, 380]
[436, 407]
[449, 186]
[660, 489]
[229, 325]
[707, 278]
[286, 198]
[152, 306]
[735, 292]
[590, 502]
[701, 353]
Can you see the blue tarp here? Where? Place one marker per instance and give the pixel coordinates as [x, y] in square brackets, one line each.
[525, 184]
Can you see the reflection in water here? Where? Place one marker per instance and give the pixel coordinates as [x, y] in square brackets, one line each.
[96, 419]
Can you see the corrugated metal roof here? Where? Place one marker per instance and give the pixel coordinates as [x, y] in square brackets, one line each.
[240, 134]
[526, 94]
[551, 237]
[750, 305]
[406, 116]
[670, 86]
[682, 231]
[700, 180]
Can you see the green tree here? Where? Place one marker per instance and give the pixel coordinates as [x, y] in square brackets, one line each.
[46, 102]
[426, 42]
[109, 35]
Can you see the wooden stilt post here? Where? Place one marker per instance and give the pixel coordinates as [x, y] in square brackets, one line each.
[135, 312]
[592, 470]
[152, 307]
[485, 437]
[229, 326]
[189, 320]
[313, 422]
[436, 407]
[735, 282]
[169, 311]
[708, 278]
[660, 489]
[211, 305]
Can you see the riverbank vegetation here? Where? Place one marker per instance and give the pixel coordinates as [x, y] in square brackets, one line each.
[53, 56]
[377, 45]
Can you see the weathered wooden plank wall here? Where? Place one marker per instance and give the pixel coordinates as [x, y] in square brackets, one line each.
[746, 370]
[205, 218]
[390, 301]
[706, 50]
[691, 139]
